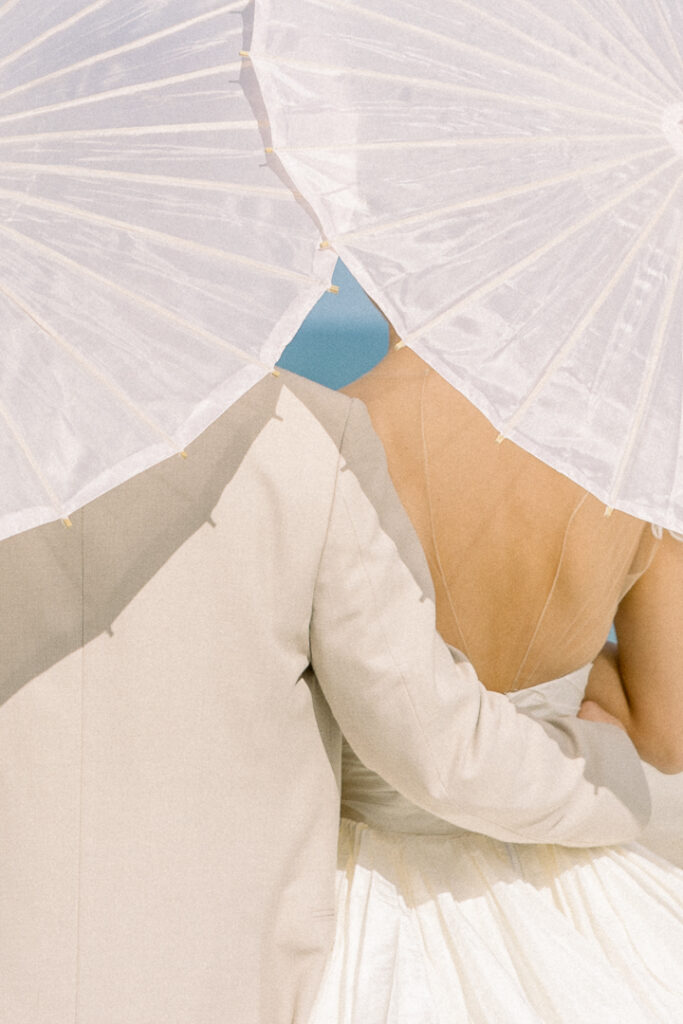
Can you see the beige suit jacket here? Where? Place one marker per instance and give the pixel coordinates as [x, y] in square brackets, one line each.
[169, 764]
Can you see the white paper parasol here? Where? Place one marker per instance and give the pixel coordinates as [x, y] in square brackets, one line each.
[505, 178]
[152, 267]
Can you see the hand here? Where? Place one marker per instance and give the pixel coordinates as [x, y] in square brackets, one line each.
[593, 712]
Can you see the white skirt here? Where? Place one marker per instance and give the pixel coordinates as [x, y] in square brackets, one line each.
[458, 927]
[437, 929]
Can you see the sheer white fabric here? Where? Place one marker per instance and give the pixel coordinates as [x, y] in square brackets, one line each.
[152, 266]
[437, 925]
[506, 180]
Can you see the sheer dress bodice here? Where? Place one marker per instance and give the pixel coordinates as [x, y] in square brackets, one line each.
[527, 568]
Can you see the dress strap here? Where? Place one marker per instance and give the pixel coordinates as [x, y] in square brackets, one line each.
[658, 532]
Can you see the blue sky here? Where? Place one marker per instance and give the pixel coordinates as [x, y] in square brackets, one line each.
[342, 337]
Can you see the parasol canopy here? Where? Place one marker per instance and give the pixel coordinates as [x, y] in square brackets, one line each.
[152, 266]
[505, 179]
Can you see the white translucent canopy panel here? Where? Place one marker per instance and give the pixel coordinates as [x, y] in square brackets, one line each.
[152, 266]
[505, 179]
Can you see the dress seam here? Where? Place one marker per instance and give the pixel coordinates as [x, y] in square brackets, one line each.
[439, 565]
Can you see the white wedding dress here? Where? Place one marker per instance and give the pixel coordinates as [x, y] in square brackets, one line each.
[436, 925]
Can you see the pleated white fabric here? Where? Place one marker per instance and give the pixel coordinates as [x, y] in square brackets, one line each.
[437, 926]
[152, 265]
[505, 179]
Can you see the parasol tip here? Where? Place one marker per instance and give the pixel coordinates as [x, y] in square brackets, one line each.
[269, 149]
[67, 522]
[399, 345]
[500, 438]
[275, 372]
[334, 288]
[244, 53]
[608, 511]
[183, 454]
[325, 244]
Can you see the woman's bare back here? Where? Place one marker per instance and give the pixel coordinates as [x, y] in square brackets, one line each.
[528, 571]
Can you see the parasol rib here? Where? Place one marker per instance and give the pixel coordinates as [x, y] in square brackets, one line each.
[671, 39]
[494, 197]
[430, 95]
[600, 28]
[55, 30]
[111, 386]
[160, 311]
[159, 236]
[135, 44]
[539, 15]
[622, 13]
[462, 142]
[27, 452]
[584, 322]
[202, 184]
[327, 70]
[494, 58]
[541, 251]
[131, 131]
[126, 90]
[648, 379]
[7, 7]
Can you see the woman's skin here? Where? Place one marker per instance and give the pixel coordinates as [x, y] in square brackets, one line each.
[528, 571]
[640, 679]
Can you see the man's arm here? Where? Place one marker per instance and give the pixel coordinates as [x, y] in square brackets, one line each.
[420, 718]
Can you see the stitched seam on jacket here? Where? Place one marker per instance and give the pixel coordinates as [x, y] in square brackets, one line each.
[81, 769]
[387, 645]
[330, 511]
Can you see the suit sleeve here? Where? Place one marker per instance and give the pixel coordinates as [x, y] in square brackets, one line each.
[418, 716]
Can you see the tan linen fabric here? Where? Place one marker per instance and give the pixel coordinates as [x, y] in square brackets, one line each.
[169, 764]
